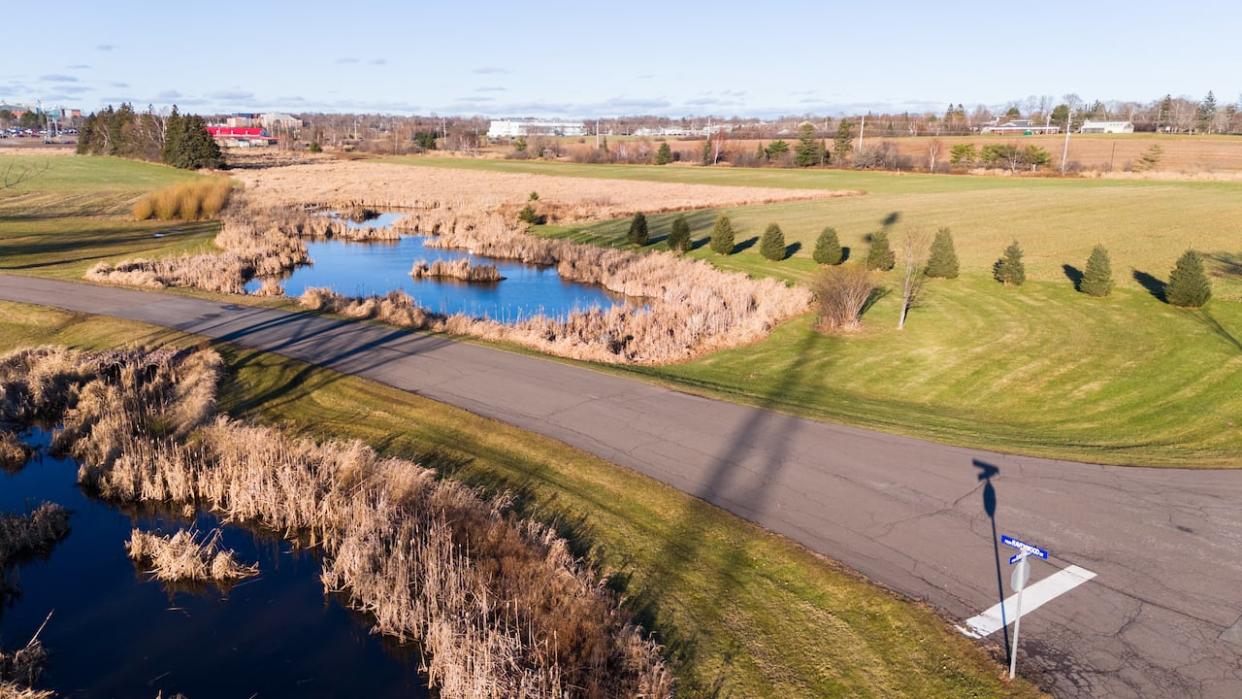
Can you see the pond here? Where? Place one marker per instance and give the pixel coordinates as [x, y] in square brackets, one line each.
[117, 633]
[364, 269]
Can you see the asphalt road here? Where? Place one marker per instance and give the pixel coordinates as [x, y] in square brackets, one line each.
[1163, 617]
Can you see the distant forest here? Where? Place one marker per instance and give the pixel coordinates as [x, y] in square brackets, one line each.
[176, 139]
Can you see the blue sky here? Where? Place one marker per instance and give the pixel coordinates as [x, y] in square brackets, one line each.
[581, 59]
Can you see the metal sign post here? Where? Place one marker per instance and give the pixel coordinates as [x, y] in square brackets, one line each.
[1021, 574]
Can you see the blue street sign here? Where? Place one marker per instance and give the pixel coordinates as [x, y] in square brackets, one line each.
[1015, 558]
[1030, 549]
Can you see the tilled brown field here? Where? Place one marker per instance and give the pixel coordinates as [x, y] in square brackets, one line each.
[339, 183]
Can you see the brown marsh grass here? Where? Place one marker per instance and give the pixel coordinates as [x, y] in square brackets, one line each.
[497, 603]
[13, 453]
[187, 201]
[187, 556]
[34, 532]
[461, 270]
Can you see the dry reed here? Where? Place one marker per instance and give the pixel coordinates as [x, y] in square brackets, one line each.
[185, 557]
[32, 533]
[498, 604]
[461, 270]
[13, 453]
[188, 201]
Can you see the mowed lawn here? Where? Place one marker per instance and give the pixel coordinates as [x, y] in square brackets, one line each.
[743, 613]
[1039, 369]
[74, 211]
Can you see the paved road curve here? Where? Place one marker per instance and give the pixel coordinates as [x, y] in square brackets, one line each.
[1163, 617]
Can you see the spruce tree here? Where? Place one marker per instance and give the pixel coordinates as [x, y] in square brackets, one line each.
[772, 244]
[722, 236]
[1097, 279]
[881, 255]
[664, 155]
[707, 157]
[1009, 269]
[943, 260]
[808, 151]
[638, 230]
[827, 248]
[1188, 286]
[679, 236]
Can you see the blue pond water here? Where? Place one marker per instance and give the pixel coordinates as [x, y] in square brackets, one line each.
[115, 633]
[363, 269]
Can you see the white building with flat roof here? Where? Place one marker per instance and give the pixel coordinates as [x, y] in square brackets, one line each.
[1107, 127]
[515, 128]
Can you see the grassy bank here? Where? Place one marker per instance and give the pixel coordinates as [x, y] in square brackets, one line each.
[75, 211]
[743, 612]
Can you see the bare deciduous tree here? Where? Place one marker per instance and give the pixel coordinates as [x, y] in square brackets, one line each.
[914, 247]
[933, 152]
[842, 293]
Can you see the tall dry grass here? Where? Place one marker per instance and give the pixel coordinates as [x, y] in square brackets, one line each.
[187, 556]
[13, 453]
[34, 532]
[461, 270]
[188, 201]
[498, 604]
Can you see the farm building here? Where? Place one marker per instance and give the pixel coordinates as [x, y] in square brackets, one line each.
[1107, 127]
[1019, 127]
[240, 136]
[513, 128]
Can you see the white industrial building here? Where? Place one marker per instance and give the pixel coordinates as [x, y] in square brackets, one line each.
[1107, 127]
[278, 121]
[514, 128]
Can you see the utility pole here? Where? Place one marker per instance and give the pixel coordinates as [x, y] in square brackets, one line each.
[862, 128]
[1069, 124]
[596, 133]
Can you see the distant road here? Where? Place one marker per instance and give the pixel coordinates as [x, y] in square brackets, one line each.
[1162, 616]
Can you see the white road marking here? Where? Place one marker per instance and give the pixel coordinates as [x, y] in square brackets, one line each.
[1033, 598]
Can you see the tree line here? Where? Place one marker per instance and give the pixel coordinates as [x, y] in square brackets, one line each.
[175, 139]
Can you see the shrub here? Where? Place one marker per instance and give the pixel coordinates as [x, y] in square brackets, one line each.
[722, 236]
[842, 292]
[880, 256]
[827, 248]
[679, 236]
[943, 260]
[315, 147]
[963, 154]
[1188, 286]
[1097, 279]
[772, 244]
[664, 155]
[188, 201]
[638, 230]
[529, 215]
[1009, 269]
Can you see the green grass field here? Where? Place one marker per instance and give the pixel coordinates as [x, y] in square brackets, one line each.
[1037, 370]
[742, 612]
[74, 213]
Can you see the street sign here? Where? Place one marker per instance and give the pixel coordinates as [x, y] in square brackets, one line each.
[1023, 546]
[1017, 557]
[1021, 575]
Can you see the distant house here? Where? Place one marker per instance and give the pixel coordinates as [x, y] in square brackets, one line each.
[514, 128]
[1107, 127]
[1019, 127]
[240, 136]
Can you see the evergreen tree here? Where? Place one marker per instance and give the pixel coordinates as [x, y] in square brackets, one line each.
[1009, 269]
[843, 144]
[943, 260]
[1097, 279]
[772, 244]
[881, 255]
[199, 149]
[707, 158]
[679, 236]
[174, 132]
[722, 236]
[1188, 286]
[827, 248]
[777, 149]
[664, 155]
[1207, 112]
[638, 230]
[808, 152]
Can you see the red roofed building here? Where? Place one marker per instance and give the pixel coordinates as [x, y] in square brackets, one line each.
[240, 136]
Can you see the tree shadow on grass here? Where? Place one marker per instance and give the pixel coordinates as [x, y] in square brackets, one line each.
[1074, 275]
[745, 244]
[876, 294]
[791, 250]
[1205, 316]
[742, 476]
[1226, 264]
[1154, 286]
